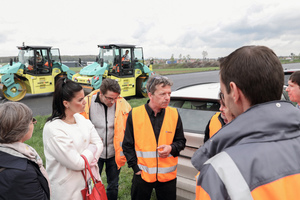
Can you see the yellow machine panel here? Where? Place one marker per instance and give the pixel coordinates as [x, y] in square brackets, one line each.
[128, 87]
[40, 84]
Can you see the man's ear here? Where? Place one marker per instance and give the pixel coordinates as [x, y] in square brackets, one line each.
[235, 91]
[149, 95]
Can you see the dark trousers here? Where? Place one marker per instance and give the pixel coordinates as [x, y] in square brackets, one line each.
[112, 174]
[141, 190]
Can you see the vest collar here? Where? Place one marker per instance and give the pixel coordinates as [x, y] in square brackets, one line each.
[151, 112]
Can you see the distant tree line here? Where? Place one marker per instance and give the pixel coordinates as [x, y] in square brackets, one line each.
[82, 57]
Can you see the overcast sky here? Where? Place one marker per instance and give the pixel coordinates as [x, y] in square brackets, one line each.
[161, 27]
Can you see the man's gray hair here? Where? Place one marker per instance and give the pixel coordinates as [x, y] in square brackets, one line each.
[157, 80]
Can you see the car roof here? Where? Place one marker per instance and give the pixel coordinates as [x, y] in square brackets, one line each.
[289, 71]
[198, 91]
[109, 46]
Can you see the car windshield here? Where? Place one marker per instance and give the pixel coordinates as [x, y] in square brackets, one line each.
[195, 114]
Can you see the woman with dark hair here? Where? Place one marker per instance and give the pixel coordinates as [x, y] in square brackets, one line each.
[22, 175]
[67, 135]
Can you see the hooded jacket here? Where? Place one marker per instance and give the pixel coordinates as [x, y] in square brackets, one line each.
[256, 156]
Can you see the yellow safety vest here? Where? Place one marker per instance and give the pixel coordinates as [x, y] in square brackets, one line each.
[215, 125]
[154, 168]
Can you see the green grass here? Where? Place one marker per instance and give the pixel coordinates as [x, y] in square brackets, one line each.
[126, 173]
[168, 71]
[290, 61]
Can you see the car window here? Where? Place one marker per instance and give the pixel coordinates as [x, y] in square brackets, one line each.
[195, 114]
[195, 105]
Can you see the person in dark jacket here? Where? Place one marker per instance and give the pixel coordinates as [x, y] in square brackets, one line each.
[22, 175]
[255, 156]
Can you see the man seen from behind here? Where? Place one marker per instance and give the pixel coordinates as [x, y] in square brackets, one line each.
[256, 156]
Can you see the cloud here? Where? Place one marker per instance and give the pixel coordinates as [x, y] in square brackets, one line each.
[162, 28]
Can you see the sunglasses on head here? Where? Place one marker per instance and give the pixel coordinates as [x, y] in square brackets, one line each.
[34, 121]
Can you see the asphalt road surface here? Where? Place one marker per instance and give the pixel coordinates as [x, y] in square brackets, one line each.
[41, 104]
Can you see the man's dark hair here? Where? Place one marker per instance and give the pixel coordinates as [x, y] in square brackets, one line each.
[111, 85]
[256, 70]
[295, 77]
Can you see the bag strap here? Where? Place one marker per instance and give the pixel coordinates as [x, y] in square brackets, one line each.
[87, 167]
[84, 174]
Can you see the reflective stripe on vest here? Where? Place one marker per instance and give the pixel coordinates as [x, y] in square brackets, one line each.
[154, 170]
[231, 176]
[215, 125]
[148, 154]
[154, 167]
[121, 152]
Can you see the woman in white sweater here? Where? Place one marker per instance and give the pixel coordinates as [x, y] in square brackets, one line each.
[67, 135]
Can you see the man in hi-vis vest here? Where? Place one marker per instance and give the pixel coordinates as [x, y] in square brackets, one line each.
[108, 111]
[153, 140]
[256, 155]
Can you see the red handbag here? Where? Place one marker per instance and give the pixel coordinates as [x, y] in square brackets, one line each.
[94, 189]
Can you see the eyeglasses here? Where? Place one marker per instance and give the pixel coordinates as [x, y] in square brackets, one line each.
[34, 121]
[110, 99]
[156, 78]
[221, 96]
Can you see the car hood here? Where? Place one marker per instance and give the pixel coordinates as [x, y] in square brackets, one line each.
[200, 91]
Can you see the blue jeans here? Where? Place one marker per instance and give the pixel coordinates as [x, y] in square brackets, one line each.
[112, 174]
